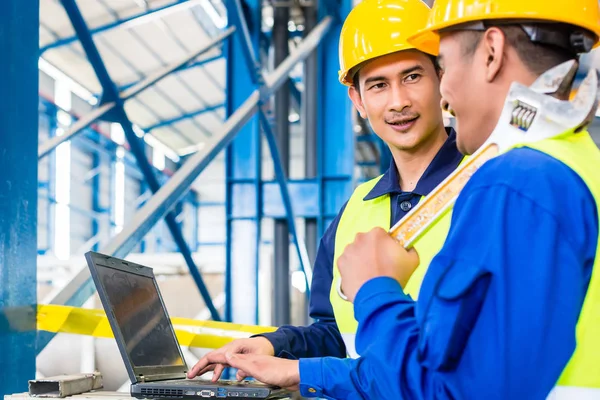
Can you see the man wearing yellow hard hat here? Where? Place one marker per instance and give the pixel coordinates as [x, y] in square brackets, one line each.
[395, 87]
[510, 306]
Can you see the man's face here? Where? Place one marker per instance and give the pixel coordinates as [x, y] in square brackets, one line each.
[471, 96]
[399, 94]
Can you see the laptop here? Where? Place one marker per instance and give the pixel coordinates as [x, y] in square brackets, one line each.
[146, 338]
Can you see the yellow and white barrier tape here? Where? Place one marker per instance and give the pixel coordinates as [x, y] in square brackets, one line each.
[91, 322]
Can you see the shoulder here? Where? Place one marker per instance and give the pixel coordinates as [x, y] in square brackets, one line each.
[526, 189]
[328, 238]
[357, 195]
[524, 186]
[535, 176]
[364, 188]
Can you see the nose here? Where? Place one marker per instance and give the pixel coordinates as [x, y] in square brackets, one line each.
[399, 98]
[446, 106]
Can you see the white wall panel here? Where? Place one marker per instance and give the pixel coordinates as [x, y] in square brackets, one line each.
[81, 199]
[106, 199]
[189, 217]
[132, 193]
[44, 205]
[79, 106]
[46, 85]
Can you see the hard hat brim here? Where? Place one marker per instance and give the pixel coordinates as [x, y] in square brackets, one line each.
[428, 39]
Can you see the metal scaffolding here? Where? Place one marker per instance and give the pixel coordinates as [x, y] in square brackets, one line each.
[241, 137]
[249, 198]
[258, 97]
[249, 107]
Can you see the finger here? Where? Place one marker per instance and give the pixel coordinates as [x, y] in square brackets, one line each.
[241, 375]
[218, 371]
[344, 259]
[361, 238]
[241, 361]
[200, 365]
[216, 358]
[237, 346]
[206, 369]
[379, 231]
[412, 252]
[211, 358]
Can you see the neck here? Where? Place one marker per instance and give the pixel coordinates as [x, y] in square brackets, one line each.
[411, 164]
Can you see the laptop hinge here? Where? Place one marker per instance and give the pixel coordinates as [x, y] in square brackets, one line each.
[159, 377]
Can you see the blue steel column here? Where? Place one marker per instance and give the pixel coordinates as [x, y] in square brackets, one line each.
[335, 136]
[309, 107]
[281, 307]
[111, 94]
[19, 35]
[243, 159]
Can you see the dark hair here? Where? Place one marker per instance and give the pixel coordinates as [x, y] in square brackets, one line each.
[537, 57]
[433, 59]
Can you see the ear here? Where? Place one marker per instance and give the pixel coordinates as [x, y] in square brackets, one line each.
[494, 43]
[357, 101]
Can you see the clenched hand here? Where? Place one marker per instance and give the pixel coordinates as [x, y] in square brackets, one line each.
[371, 255]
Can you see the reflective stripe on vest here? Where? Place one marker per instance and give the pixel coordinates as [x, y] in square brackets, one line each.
[579, 152]
[362, 216]
[574, 393]
[349, 339]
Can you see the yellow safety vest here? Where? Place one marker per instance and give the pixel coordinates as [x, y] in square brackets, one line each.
[581, 377]
[362, 216]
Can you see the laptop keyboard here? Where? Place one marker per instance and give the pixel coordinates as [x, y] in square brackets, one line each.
[196, 382]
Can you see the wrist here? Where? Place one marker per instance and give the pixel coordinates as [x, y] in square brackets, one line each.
[265, 345]
[374, 293]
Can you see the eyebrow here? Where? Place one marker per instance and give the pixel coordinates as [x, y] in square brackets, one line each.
[406, 71]
[416, 68]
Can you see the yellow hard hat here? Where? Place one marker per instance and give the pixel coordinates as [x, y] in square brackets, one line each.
[450, 13]
[375, 28]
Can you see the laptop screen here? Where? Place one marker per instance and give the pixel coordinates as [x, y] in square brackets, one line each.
[138, 310]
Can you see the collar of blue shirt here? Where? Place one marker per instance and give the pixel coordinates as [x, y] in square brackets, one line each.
[444, 162]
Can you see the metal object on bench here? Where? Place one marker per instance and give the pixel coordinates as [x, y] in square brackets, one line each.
[65, 385]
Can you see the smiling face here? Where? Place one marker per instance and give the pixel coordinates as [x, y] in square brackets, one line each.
[399, 94]
[473, 99]
[479, 68]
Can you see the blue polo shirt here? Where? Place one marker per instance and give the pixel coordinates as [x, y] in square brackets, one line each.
[497, 310]
[323, 338]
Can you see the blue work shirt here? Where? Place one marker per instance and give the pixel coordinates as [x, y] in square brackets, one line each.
[496, 314]
[323, 338]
